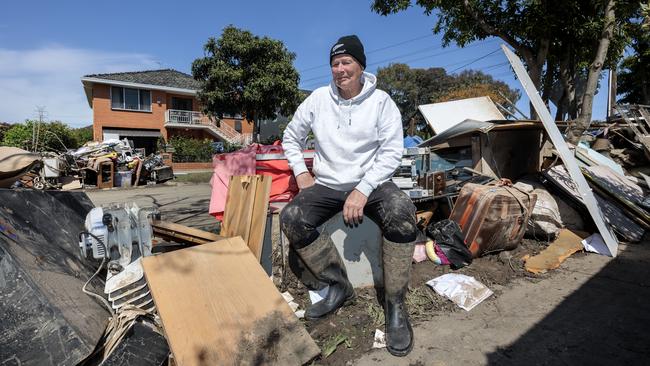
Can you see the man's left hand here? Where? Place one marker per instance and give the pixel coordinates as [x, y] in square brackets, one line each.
[353, 208]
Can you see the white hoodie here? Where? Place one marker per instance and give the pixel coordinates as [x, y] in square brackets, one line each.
[359, 141]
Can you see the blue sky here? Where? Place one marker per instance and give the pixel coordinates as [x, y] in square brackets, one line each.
[46, 46]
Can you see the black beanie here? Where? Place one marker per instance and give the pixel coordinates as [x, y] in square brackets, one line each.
[350, 45]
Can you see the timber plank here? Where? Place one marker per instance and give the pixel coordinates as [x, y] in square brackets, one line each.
[239, 206]
[217, 306]
[259, 214]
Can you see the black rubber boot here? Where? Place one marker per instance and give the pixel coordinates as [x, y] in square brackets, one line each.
[326, 264]
[397, 266]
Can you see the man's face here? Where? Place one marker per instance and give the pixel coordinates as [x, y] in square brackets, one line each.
[346, 71]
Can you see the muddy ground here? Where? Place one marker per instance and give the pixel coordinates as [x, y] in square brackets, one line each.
[347, 335]
[593, 310]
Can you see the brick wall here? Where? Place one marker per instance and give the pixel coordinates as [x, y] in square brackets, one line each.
[104, 116]
[191, 166]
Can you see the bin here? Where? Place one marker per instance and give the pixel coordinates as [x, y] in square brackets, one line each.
[124, 178]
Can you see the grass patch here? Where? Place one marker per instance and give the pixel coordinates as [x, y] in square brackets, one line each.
[202, 177]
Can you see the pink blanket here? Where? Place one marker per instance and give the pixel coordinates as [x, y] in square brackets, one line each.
[240, 162]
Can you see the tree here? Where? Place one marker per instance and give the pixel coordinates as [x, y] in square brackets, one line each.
[82, 135]
[410, 88]
[4, 127]
[247, 74]
[53, 136]
[634, 78]
[561, 42]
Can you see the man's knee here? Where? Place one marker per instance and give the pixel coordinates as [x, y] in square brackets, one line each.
[400, 221]
[294, 226]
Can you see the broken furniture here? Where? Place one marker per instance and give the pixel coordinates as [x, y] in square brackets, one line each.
[637, 118]
[217, 306]
[105, 175]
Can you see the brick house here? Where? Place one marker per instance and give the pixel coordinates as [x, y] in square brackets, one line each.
[144, 106]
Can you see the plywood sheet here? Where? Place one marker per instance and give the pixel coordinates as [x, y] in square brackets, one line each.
[218, 307]
[567, 243]
[246, 210]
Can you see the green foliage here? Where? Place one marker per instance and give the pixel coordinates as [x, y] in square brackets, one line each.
[248, 74]
[229, 147]
[412, 87]
[52, 136]
[4, 127]
[634, 77]
[191, 150]
[558, 40]
[82, 135]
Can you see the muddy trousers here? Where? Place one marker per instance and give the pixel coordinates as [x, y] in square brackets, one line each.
[387, 206]
[322, 265]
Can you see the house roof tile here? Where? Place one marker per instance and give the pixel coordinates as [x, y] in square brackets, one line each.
[166, 77]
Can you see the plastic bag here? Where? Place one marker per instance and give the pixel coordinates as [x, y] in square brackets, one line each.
[450, 240]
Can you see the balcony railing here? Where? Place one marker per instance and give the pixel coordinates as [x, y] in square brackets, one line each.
[178, 116]
[198, 118]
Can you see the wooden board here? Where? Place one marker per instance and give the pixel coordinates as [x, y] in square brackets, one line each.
[567, 243]
[218, 307]
[182, 233]
[246, 210]
[568, 159]
[627, 228]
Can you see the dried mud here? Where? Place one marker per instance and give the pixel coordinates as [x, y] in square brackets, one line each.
[357, 322]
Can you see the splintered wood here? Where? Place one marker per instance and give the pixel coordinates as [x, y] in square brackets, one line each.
[247, 204]
[218, 307]
[557, 252]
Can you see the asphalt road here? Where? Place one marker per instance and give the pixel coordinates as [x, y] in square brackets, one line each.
[181, 203]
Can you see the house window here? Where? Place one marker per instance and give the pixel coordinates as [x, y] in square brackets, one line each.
[238, 125]
[130, 99]
[183, 104]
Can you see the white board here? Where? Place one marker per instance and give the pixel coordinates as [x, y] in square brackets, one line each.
[563, 150]
[445, 115]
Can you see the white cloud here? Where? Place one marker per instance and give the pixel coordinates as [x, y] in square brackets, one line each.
[50, 77]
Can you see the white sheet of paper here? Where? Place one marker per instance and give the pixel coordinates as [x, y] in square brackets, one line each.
[380, 339]
[595, 244]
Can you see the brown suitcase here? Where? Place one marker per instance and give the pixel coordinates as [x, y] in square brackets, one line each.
[492, 217]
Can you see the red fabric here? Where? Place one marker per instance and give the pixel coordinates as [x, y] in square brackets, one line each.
[243, 162]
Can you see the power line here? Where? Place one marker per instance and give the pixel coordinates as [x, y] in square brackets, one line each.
[317, 80]
[475, 60]
[375, 50]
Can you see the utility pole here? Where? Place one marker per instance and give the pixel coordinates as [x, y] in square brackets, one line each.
[37, 128]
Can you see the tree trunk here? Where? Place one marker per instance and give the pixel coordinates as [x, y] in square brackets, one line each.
[567, 78]
[584, 119]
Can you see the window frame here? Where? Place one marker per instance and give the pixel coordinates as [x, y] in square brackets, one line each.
[124, 99]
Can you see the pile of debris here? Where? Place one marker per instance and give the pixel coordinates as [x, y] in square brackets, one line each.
[481, 185]
[111, 163]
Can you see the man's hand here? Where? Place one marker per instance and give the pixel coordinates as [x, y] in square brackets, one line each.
[353, 208]
[304, 180]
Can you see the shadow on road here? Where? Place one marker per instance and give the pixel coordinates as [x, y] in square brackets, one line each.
[604, 322]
